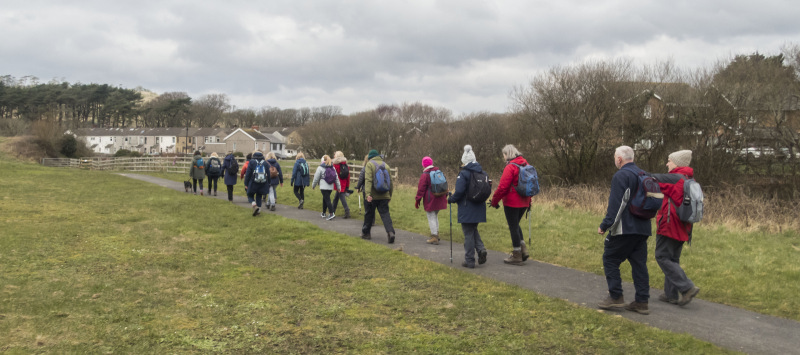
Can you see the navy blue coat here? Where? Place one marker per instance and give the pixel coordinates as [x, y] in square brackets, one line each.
[625, 178]
[468, 211]
[229, 179]
[252, 186]
[276, 180]
[297, 174]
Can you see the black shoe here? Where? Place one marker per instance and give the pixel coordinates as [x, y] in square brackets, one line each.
[468, 265]
[482, 256]
[366, 236]
[301, 204]
[272, 208]
[391, 237]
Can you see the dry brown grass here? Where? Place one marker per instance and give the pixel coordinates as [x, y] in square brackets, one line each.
[730, 207]
[22, 148]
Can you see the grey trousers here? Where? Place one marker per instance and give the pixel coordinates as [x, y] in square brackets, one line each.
[472, 241]
[668, 256]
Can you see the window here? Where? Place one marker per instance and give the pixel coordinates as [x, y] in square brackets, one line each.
[157, 139]
[234, 146]
[173, 139]
[648, 112]
[145, 140]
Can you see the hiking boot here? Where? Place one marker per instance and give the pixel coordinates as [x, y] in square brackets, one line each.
[255, 210]
[482, 256]
[610, 303]
[434, 239]
[685, 297]
[201, 193]
[468, 265]
[664, 298]
[272, 208]
[347, 214]
[391, 237]
[638, 307]
[515, 258]
[300, 206]
[366, 237]
[524, 250]
[332, 216]
[215, 193]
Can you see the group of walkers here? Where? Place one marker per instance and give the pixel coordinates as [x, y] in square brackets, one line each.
[627, 233]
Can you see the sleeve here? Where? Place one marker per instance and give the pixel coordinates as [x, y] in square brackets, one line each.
[280, 173]
[338, 183]
[422, 186]
[248, 174]
[317, 176]
[294, 170]
[618, 188]
[461, 188]
[368, 178]
[360, 182]
[506, 182]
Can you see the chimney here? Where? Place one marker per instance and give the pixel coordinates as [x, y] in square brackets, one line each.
[254, 127]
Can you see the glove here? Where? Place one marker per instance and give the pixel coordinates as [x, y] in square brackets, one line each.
[416, 205]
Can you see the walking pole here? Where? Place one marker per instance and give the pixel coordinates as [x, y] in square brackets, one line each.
[359, 203]
[450, 205]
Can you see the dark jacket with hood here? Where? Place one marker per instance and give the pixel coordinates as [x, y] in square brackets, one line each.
[197, 171]
[278, 179]
[468, 211]
[625, 178]
[297, 174]
[249, 179]
[229, 179]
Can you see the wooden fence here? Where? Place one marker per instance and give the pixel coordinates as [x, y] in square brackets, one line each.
[178, 165]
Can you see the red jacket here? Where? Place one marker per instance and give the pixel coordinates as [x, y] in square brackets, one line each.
[244, 169]
[506, 190]
[668, 223]
[430, 202]
[336, 166]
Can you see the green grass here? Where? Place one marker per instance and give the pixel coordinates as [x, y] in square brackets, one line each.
[759, 271]
[98, 263]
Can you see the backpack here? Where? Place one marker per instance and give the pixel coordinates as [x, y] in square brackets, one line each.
[200, 164]
[691, 209]
[273, 171]
[438, 183]
[214, 168]
[528, 181]
[260, 173]
[479, 188]
[383, 182]
[330, 175]
[303, 169]
[233, 167]
[647, 198]
[344, 171]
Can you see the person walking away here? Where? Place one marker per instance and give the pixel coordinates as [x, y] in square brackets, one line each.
[230, 170]
[325, 177]
[276, 178]
[671, 232]
[256, 181]
[213, 172]
[197, 172]
[470, 213]
[514, 205]
[343, 172]
[431, 203]
[626, 239]
[300, 178]
[376, 197]
[247, 159]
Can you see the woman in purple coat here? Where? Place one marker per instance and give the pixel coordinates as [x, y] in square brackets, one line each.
[432, 204]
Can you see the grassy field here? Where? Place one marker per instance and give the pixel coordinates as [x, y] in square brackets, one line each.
[97, 263]
[757, 270]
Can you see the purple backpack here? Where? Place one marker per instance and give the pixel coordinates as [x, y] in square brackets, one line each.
[330, 175]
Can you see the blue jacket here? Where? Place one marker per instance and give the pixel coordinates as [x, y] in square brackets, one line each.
[625, 178]
[276, 180]
[468, 211]
[297, 174]
[252, 186]
[229, 179]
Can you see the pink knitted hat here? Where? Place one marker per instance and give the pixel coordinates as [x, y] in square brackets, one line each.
[426, 162]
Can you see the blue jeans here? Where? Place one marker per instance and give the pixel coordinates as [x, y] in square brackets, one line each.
[472, 241]
[629, 247]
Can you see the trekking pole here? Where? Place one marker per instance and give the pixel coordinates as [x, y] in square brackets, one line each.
[359, 204]
[450, 206]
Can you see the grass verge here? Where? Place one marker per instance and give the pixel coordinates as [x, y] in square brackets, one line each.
[93, 262]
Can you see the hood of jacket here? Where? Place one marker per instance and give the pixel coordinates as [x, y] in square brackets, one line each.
[196, 157]
[683, 170]
[272, 161]
[323, 165]
[258, 156]
[473, 167]
[519, 161]
[229, 157]
[339, 160]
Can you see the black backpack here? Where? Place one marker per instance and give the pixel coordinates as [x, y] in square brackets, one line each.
[344, 171]
[479, 188]
[233, 167]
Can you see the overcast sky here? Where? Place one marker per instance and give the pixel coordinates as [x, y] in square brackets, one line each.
[464, 55]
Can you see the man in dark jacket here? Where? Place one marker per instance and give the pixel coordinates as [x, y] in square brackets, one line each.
[469, 213]
[256, 191]
[376, 200]
[627, 237]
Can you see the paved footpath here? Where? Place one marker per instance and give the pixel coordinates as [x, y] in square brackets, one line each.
[726, 326]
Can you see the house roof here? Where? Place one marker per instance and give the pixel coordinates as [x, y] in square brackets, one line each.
[253, 134]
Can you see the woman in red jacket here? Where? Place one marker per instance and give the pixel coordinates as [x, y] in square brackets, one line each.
[339, 164]
[432, 204]
[671, 233]
[514, 205]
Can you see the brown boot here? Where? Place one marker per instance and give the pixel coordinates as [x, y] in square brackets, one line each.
[524, 248]
[433, 240]
[515, 258]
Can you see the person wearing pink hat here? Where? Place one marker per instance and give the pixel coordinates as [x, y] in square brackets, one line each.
[432, 201]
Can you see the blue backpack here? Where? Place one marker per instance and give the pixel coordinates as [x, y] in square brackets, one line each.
[438, 183]
[200, 164]
[528, 181]
[383, 182]
[647, 198]
[260, 173]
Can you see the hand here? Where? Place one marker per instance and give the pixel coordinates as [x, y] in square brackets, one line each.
[416, 205]
[369, 198]
[496, 206]
[600, 231]
[281, 184]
